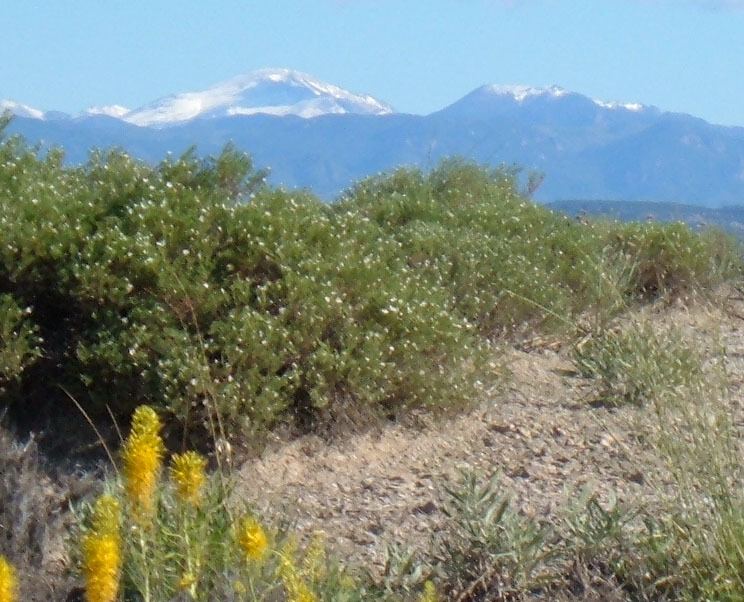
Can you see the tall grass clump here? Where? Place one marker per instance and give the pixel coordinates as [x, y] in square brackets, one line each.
[699, 439]
[691, 546]
[674, 258]
[34, 522]
[636, 363]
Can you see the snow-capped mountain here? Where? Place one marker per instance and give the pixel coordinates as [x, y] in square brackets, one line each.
[283, 92]
[497, 99]
[522, 94]
[270, 91]
[267, 91]
[587, 148]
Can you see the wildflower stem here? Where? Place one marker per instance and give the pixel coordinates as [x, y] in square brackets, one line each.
[190, 568]
[146, 573]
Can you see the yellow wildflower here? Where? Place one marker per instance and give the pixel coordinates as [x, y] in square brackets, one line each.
[300, 593]
[314, 563]
[102, 552]
[142, 456]
[187, 471]
[294, 585]
[186, 581]
[145, 421]
[252, 539]
[106, 516]
[430, 593]
[347, 583]
[8, 581]
[101, 565]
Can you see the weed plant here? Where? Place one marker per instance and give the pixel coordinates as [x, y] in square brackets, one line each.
[153, 538]
[691, 548]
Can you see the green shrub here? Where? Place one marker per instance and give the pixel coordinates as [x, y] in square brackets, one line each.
[671, 258]
[504, 260]
[19, 343]
[161, 284]
[193, 286]
[489, 547]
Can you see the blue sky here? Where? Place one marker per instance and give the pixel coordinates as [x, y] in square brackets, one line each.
[682, 55]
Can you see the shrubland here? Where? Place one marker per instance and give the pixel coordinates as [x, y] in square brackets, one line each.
[193, 286]
[231, 307]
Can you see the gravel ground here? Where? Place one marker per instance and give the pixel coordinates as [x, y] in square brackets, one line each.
[540, 433]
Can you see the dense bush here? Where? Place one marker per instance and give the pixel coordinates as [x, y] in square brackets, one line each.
[504, 259]
[192, 282]
[508, 261]
[672, 256]
[195, 287]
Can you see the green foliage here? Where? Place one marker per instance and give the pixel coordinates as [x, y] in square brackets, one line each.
[193, 286]
[507, 261]
[673, 258]
[504, 259]
[489, 546]
[157, 284]
[19, 343]
[637, 364]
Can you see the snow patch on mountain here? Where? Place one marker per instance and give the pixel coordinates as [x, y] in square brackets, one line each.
[269, 91]
[21, 110]
[116, 111]
[612, 104]
[522, 93]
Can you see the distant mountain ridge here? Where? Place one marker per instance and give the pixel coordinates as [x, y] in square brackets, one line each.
[729, 219]
[316, 135]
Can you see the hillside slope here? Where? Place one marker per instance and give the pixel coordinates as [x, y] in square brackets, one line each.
[540, 433]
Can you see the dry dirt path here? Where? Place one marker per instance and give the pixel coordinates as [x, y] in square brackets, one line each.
[539, 432]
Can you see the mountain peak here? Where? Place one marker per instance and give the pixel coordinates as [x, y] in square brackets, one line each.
[504, 99]
[268, 91]
[521, 92]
